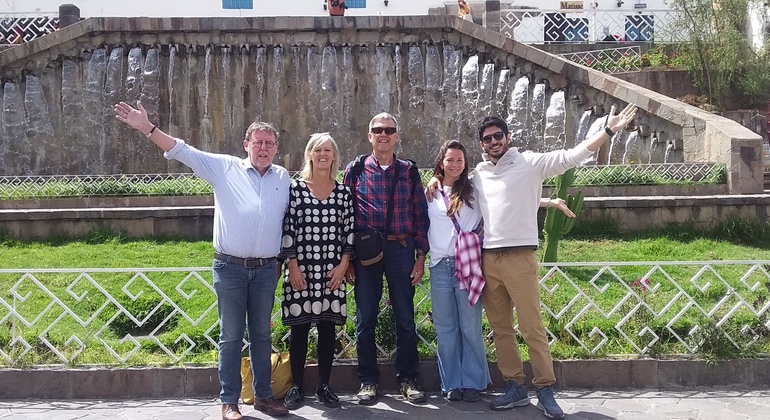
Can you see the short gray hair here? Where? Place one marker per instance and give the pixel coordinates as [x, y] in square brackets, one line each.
[383, 116]
[261, 126]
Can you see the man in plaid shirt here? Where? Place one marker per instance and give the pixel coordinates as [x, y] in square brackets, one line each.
[404, 257]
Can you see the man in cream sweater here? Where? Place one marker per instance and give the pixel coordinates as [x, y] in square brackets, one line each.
[509, 185]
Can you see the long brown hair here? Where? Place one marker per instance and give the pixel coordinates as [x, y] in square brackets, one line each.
[462, 189]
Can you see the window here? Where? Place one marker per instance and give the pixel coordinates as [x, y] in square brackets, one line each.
[356, 4]
[237, 4]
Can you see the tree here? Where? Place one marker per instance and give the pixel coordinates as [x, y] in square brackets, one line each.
[718, 53]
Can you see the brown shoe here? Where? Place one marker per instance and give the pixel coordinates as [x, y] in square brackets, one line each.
[271, 406]
[231, 412]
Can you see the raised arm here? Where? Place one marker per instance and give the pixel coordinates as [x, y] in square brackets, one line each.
[615, 123]
[138, 120]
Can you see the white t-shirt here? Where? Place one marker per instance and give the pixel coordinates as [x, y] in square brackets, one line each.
[442, 234]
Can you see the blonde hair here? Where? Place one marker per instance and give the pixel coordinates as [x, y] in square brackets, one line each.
[383, 116]
[316, 141]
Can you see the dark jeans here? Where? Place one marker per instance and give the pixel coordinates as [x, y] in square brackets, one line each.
[397, 266]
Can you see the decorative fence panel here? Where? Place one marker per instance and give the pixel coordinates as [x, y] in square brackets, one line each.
[538, 26]
[56, 186]
[609, 60]
[168, 315]
[18, 28]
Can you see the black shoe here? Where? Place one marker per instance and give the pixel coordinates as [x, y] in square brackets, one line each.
[411, 391]
[325, 396]
[454, 394]
[293, 398]
[368, 394]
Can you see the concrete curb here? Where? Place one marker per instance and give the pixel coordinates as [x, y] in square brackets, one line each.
[182, 382]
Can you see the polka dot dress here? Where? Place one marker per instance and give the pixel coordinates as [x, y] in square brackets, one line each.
[316, 233]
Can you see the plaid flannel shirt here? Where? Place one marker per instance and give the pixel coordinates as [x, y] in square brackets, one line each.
[410, 210]
[468, 265]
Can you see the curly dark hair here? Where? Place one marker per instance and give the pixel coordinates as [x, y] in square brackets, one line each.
[462, 190]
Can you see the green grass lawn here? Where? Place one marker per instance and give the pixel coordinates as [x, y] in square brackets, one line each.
[109, 324]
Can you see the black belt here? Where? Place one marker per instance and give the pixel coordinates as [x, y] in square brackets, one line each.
[245, 262]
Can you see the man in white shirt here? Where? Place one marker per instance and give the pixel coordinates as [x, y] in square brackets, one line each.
[250, 198]
[509, 185]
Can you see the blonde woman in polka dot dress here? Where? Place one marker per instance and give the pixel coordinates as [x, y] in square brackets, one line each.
[317, 245]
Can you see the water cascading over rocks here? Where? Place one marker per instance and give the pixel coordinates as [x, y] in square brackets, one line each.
[61, 121]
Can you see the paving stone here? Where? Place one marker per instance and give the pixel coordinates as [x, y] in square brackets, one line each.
[708, 404]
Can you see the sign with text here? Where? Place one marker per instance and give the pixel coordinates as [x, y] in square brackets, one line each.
[640, 6]
[571, 5]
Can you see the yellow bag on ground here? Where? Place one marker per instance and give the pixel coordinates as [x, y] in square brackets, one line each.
[280, 377]
[247, 392]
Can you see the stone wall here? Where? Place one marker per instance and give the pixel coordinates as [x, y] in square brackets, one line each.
[196, 221]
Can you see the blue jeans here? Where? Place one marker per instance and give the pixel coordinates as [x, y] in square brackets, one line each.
[397, 266]
[462, 359]
[245, 296]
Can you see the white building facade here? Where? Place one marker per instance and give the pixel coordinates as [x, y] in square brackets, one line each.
[234, 8]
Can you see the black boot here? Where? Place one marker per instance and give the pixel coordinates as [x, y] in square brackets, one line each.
[293, 398]
[325, 395]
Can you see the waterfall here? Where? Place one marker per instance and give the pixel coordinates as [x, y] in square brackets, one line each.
[582, 130]
[416, 71]
[595, 128]
[260, 64]
[486, 92]
[450, 89]
[469, 96]
[96, 110]
[144, 149]
[14, 158]
[329, 89]
[517, 112]
[39, 129]
[632, 155]
[348, 89]
[381, 81]
[225, 131]
[555, 123]
[114, 130]
[669, 150]
[313, 90]
[431, 121]
[616, 152]
[501, 92]
[207, 142]
[537, 115]
[397, 70]
[79, 143]
[171, 81]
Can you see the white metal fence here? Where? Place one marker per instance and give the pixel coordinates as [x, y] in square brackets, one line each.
[538, 26]
[168, 315]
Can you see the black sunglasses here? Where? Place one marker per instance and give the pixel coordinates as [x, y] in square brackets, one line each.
[497, 136]
[388, 130]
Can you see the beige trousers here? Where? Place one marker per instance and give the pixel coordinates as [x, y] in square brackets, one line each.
[512, 281]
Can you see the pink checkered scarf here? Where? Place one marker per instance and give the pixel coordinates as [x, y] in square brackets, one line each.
[468, 265]
[467, 260]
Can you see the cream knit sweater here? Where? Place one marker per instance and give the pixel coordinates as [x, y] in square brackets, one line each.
[510, 191]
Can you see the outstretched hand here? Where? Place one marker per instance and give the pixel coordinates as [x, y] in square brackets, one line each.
[134, 117]
[620, 121]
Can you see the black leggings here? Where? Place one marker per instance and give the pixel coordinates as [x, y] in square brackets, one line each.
[298, 351]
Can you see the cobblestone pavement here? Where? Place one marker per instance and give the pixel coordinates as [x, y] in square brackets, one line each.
[704, 403]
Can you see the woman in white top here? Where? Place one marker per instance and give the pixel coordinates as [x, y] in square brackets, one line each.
[462, 358]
